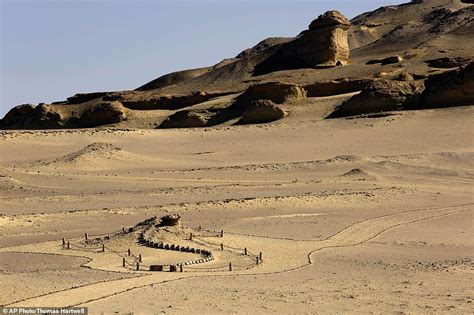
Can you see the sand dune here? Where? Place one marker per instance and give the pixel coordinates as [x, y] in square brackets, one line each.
[96, 156]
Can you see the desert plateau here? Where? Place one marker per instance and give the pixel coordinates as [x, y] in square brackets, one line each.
[328, 173]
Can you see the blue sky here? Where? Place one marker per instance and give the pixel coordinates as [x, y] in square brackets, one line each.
[51, 49]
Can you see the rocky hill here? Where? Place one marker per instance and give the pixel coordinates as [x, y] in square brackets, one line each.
[416, 55]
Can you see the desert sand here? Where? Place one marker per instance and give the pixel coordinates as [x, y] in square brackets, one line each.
[351, 215]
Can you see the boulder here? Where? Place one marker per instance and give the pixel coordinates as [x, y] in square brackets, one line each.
[382, 95]
[262, 111]
[454, 88]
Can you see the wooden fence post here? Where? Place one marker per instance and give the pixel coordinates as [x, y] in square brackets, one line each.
[257, 260]
[103, 247]
[85, 236]
[68, 245]
[230, 266]
[64, 241]
[181, 268]
[129, 252]
[140, 257]
[123, 262]
[245, 251]
[222, 246]
[260, 256]
[191, 236]
[222, 233]
[138, 266]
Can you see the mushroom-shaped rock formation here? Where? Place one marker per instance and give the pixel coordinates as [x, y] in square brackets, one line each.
[325, 42]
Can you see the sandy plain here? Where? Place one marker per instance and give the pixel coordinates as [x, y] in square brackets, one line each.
[351, 215]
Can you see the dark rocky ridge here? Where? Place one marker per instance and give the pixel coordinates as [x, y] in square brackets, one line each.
[425, 37]
[452, 88]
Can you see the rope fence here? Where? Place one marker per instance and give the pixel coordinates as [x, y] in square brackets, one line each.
[97, 244]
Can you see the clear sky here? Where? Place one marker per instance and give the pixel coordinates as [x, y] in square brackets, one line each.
[51, 49]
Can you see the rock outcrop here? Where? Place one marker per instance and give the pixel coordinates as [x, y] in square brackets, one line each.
[262, 111]
[455, 88]
[188, 119]
[382, 95]
[102, 114]
[277, 92]
[28, 116]
[427, 34]
[196, 118]
[168, 102]
[325, 41]
[84, 97]
[448, 89]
